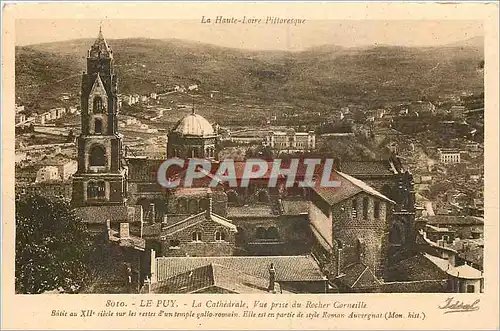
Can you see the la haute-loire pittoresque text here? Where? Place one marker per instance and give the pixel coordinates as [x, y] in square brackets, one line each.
[252, 20]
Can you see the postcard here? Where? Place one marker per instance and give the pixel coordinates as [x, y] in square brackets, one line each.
[246, 165]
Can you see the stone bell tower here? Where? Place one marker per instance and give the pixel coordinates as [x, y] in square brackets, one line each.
[101, 177]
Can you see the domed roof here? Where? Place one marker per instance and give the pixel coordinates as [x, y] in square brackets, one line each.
[195, 125]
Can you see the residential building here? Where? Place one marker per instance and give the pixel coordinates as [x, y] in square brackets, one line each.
[449, 156]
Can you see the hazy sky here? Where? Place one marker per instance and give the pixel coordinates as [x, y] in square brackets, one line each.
[278, 37]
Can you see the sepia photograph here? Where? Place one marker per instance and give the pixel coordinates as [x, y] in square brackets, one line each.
[248, 153]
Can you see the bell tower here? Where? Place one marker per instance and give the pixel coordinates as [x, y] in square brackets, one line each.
[101, 177]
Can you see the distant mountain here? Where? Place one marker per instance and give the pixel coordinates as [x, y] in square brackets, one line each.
[477, 42]
[322, 77]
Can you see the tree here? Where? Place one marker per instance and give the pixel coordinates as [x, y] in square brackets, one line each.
[52, 246]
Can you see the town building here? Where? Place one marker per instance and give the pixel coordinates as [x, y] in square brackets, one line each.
[291, 141]
[449, 156]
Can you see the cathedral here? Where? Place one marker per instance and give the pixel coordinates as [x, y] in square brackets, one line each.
[336, 235]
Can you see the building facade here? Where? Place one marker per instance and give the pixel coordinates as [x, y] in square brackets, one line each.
[449, 156]
[291, 141]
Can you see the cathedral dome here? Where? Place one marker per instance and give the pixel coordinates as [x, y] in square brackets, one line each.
[194, 125]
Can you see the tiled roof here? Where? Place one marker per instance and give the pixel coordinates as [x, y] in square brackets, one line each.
[288, 268]
[359, 168]
[252, 211]
[295, 207]
[193, 281]
[326, 243]
[151, 230]
[140, 169]
[358, 275]
[463, 271]
[199, 218]
[454, 220]
[349, 186]
[415, 268]
[473, 255]
[100, 214]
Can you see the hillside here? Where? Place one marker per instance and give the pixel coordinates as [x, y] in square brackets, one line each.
[322, 77]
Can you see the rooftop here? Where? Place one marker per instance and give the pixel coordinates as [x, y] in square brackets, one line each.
[194, 125]
[454, 220]
[463, 271]
[349, 187]
[357, 276]
[288, 268]
[197, 219]
[101, 214]
[212, 275]
[359, 168]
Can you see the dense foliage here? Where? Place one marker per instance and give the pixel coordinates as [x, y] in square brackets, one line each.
[52, 246]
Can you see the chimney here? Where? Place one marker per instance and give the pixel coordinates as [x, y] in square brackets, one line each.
[124, 231]
[272, 278]
[152, 213]
[152, 269]
[147, 285]
[164, 222]
[208, 212]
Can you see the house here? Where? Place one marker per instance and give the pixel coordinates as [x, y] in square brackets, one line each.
[47, 173]
[416, 274]
[464, 226]
[463, 278]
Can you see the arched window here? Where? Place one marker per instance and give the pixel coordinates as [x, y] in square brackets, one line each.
[160, 209]
[204, 204]
[96, 190]
[396, 234]
[354, 208]
[98, 107]
[97, 156]
[196, 236]
[193, 206]
[182, 206]
[365, 208]
[220, 236]
[272, 233]
[98, 126]
[260, 233]
[240, 236]
[376, 209]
